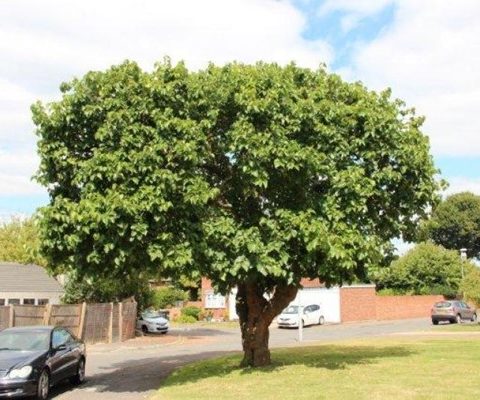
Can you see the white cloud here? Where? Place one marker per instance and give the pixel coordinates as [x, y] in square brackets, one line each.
[355, 10]
[461, 184]
[51, 41]
[430, 56]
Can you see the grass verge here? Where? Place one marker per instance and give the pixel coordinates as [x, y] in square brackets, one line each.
[408, 368]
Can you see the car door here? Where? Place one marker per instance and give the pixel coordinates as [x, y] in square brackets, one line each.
[468, 314]
[62, 356]
[315, 314]
[307, 315]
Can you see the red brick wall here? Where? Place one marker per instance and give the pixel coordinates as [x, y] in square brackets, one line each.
[357, 303]
[403, 307]
[362, 304]
[311, 283]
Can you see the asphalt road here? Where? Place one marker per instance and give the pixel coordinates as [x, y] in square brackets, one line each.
[133, 371]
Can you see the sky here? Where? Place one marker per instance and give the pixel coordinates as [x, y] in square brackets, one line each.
[428, 52]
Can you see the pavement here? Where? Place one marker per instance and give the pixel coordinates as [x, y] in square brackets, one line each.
[133, 370]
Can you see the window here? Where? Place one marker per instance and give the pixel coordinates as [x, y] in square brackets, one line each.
[213, 300]
[30, 302]
[61, 337]
[2, 302]
[42, 302]
[13, 301]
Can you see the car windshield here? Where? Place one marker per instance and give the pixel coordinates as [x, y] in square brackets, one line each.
[25, 341]
[291, 310]
[443, 304]
[151, 314]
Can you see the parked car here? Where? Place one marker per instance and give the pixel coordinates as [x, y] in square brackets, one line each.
[32, 359]
[152, 322]
[452, 311]
[289, 317]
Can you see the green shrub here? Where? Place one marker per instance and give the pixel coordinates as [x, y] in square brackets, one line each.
[470, 285]
[185, 319]
[192, 311]
[167, 296]
[390, 292]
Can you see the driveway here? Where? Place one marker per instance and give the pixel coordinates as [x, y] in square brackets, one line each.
[134, 369]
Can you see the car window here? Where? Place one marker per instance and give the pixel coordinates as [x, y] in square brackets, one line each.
[61, 337]
[291, 310]
[443, 304]
[315, 307]
[25, 340]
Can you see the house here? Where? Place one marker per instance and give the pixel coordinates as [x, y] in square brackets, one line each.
[348, 303]
[27, 284]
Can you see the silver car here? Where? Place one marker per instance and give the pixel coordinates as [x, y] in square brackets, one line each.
[289, 317]
[152, 322]
[453, 311]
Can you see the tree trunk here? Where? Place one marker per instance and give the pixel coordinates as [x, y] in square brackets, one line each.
[256, 314]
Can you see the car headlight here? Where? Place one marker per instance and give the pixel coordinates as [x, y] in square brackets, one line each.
[23, 372]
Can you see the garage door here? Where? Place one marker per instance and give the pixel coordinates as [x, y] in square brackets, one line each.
[328, 299]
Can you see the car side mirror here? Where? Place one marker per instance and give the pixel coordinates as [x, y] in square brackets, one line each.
[61, 347]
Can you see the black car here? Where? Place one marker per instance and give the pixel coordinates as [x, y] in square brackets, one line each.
[32, 359]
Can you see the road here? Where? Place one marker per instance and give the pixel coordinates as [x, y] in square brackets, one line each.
[133, 370]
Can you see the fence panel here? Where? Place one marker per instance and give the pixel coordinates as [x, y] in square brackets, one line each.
[67, 316]
[116, 323]
[4, 317]
[97, 323]
[28, 315]
[129, 318]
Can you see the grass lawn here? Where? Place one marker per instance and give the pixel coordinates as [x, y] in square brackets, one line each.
[410, 368]
[469, 327]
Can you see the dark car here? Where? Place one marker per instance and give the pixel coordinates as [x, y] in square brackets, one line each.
[453, 311]
[32, 359]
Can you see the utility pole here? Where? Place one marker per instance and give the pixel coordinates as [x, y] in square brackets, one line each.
[463, 256]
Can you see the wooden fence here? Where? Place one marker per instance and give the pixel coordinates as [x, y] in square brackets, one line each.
[94, 323]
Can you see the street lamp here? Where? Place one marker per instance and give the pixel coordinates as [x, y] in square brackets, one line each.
[463, 256]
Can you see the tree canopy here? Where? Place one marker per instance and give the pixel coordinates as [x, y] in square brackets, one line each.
[251, 175]
[19, 242]
[455, 223]
[425, 269]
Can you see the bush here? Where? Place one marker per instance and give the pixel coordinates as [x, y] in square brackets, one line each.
[206, 315]
[167, 296]
[425, 269]
[191, 311]
[471, 285]
[186, 319]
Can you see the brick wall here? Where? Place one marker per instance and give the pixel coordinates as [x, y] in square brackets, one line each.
[360, 303]
[357, 303]
[403, 307]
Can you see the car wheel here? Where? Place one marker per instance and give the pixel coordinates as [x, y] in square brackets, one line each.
[474, 318]
[321, 320]
[458, 319]
[79, 378]
[434, 322]
[43, 385]
[144, 329]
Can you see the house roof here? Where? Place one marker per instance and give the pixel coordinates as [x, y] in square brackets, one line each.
[26, 278]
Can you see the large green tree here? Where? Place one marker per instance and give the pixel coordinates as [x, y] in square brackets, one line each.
[455, 223]
[251, 175]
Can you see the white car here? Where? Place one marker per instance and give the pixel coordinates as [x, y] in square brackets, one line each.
[152, 322]
[289, 317]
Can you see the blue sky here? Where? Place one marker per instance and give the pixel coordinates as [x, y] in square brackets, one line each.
[427, 52]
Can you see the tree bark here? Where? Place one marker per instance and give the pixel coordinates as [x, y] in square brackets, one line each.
[256, 314]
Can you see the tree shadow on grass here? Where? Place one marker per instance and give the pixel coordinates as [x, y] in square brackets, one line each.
[332, 357]
[133, 376]
[149, 373]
